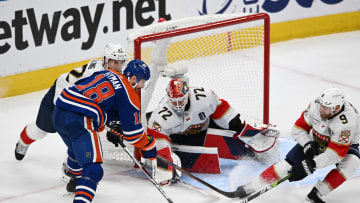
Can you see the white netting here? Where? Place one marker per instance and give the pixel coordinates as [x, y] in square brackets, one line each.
[110, 152]
[229, 60]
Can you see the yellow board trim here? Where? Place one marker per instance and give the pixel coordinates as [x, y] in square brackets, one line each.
[308, 27]
[302, 28]
[33, 81]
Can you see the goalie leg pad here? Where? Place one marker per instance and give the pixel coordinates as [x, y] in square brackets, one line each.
[198, 159]
[163, 173]
[228, 147]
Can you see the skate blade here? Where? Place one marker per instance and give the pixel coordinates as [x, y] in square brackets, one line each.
[69, 194]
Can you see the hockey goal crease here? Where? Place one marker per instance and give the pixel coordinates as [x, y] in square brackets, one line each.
[228, 53]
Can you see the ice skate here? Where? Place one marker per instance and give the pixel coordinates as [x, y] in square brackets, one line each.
[314, 196]
[20, 150]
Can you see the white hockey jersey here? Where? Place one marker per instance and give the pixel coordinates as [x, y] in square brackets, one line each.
[68, 79]
[334, 135]
[202, 105]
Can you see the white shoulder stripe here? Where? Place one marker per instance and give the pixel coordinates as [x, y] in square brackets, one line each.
[77, 94]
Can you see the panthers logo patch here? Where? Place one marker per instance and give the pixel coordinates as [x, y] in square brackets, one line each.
[344, 136]
[156, 126]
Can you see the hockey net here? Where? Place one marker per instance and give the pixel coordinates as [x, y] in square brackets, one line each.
[227, 53]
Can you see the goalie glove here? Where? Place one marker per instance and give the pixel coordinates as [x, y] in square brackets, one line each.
[115, 134]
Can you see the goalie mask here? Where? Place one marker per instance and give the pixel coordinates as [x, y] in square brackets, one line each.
[177, 92]
[332, 97]
[114, 52]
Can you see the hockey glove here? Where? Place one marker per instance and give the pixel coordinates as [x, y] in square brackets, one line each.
[301, 170]
[149, 150]
[115, 134]
[311, 149]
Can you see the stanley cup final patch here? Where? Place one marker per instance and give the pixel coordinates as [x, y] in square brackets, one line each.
[344, 136]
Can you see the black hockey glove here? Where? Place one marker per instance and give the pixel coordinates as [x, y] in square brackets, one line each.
[115, 134]
[301, 170]
[311, 149]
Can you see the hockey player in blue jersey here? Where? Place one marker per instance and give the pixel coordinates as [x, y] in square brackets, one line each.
[82, 111]
[114, 57]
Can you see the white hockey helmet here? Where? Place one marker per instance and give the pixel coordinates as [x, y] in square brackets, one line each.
[115, 52]
[178, 93]
[332, 97]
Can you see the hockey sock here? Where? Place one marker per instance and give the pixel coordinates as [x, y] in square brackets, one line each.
[24, 137]
[73, 166]
[30, 133]
[86, 185]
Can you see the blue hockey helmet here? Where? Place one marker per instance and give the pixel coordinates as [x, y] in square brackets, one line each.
[139, 68]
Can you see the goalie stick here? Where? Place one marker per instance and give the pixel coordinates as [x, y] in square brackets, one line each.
[265, 189]
[145, 172]
[227, 194]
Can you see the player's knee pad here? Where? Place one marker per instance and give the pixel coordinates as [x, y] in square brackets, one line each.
[94, 171]
[349, 165]
[345, 169]
[282, 167]
[332, 180]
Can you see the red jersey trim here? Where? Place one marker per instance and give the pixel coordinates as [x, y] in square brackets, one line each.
[341, 150]
[220, 110]
[302, 124]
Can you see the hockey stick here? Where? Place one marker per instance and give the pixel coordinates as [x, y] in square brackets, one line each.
[227, 194]
[262, 191]
[145, 172]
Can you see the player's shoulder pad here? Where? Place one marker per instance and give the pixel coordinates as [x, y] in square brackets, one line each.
[202, 98]
[313, 107]
[348, 117]
[201, 92]
[163, 117]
